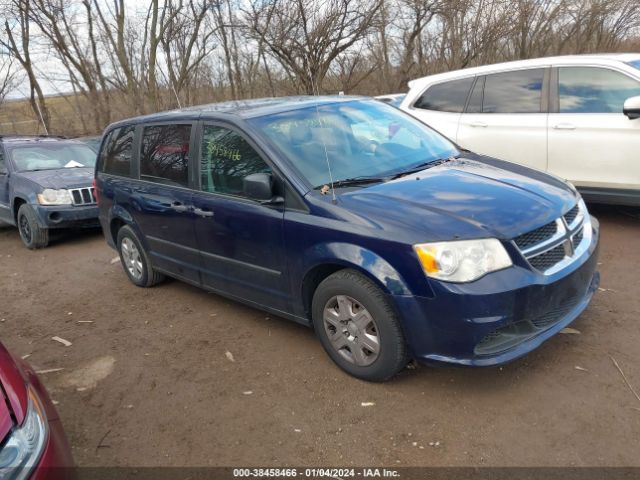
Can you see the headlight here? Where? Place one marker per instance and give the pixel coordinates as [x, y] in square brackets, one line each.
[54, 197]
[463, 260]
[25, 444]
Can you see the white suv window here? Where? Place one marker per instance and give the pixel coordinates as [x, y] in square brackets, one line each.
[594, 90]
[519, 91]
[446, 97]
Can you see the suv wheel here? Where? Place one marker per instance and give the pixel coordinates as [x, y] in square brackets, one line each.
[32, 234]
[135, 260]
[358, 327]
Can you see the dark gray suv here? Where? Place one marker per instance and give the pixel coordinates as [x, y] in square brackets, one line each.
[46, 183]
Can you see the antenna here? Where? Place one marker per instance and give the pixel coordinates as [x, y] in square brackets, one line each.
[324, 145]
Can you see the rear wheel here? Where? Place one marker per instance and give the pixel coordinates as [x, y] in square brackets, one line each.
[32, 234]
[358, 326]
[135, 259]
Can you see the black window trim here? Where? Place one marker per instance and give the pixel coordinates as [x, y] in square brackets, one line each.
[479, 78]
[191, 164]
[555, 86]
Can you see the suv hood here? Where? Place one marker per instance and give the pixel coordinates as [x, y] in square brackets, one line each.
[465, 198]
[61, 177]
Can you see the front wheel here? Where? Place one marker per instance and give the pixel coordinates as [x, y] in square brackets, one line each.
[135, 260]
[358, 326]
[32, 235]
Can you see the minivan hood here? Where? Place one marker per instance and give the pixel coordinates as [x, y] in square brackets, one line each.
[466, 198]
[61, 177]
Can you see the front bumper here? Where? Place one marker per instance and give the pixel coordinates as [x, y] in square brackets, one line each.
[500, 317]
[67, 216]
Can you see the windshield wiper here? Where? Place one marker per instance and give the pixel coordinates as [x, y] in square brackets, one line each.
[423, 166]
[354, 182]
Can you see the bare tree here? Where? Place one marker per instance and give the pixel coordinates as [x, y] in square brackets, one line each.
[17, 42]
[306, 36]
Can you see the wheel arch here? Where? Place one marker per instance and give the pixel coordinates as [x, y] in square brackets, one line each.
[346, 256]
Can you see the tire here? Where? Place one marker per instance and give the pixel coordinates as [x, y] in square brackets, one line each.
[350, 302]
[135, 260]
[32, 235]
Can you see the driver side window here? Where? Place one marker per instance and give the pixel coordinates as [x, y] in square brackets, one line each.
[3, 166]
[226, 159]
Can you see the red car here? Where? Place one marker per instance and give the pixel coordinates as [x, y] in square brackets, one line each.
[33, 444]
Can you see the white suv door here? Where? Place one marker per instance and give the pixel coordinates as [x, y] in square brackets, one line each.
[506, 117]
[591, 142]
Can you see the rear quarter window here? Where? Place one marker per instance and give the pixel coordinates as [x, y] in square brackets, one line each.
[115, 158]
[446, 97]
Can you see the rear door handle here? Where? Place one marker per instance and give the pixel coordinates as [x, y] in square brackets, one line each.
[179, 207]
[564, 126]
[478, 124]
[203, 212]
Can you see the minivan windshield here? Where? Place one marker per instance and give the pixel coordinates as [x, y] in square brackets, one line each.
[359, 140]
[52, 156]
[635, 64]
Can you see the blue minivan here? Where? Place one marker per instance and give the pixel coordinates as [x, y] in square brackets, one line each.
[347, 215]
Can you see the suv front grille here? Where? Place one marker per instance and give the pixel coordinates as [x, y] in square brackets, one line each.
[83, 196]
[547, 246]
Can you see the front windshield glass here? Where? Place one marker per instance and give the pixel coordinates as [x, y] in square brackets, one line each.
[361, 139]
[52, 156]
[635, 64]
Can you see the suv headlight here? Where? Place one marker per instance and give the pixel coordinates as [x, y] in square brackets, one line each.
[25, 444]
[462, 260]
[50, 196]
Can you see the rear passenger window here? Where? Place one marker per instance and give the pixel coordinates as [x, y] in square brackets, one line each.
[116, 155]
[594, 90]
[513, 92]
[164, 155]
[446, 97]
[226, 159]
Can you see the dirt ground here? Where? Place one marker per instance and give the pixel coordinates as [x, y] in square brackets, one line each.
[148, 382]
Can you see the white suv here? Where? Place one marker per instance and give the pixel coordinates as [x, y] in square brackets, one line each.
[574, 116]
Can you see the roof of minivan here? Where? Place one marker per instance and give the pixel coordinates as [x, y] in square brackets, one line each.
[242, 108]
[600, 58]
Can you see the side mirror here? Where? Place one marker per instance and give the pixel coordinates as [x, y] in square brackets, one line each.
[258, 186]
[632, 108]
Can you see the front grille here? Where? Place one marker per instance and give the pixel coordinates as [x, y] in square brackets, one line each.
[571, 215]
[83, 196]
[536, 236]
[547, 246]
[577, 238]
[548, 259]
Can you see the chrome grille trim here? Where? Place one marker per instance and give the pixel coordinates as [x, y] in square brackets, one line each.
[574, 238]
[83, 196]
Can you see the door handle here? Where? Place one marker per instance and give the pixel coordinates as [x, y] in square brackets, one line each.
[564, 126]
[203, 212]
[478, 124]
[179, 207]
